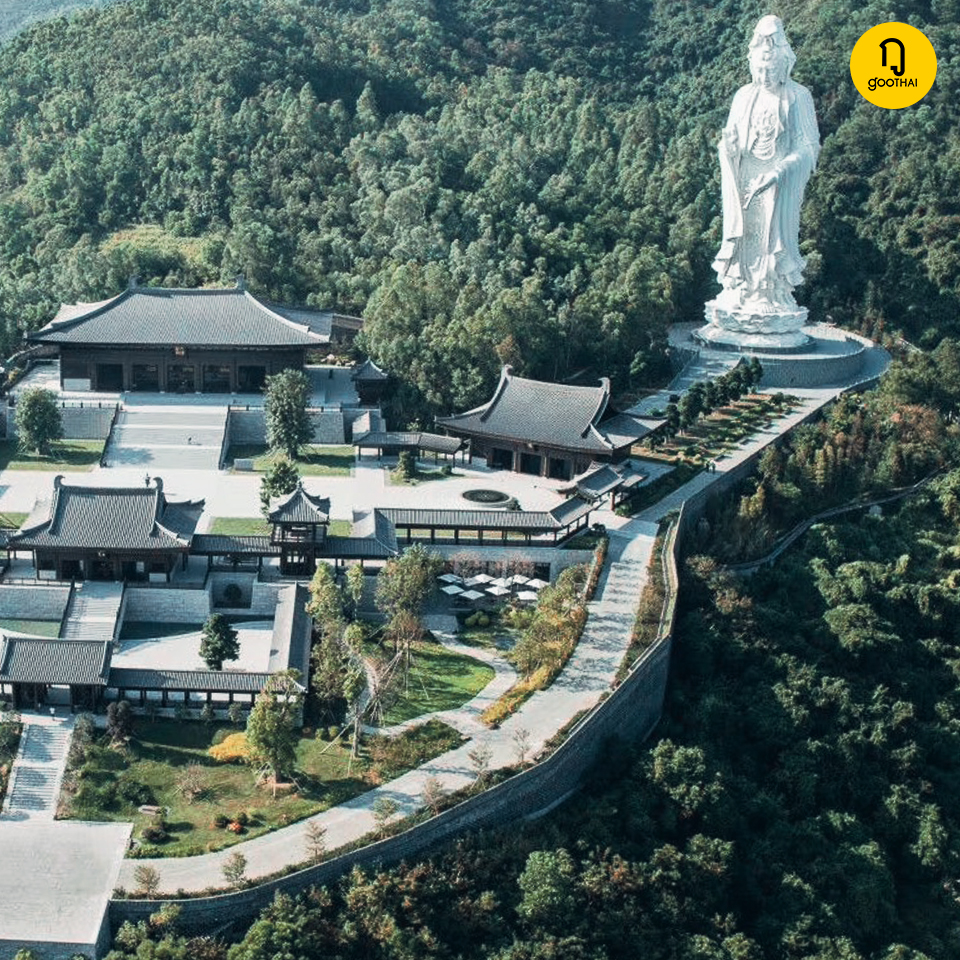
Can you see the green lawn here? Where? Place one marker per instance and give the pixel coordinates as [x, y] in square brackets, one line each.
[314, 461]
[257, 527]
[39, 628]
[66, 455]
[325, 777]
[439, 680]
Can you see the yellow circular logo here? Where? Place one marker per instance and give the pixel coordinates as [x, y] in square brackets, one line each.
[893, 65]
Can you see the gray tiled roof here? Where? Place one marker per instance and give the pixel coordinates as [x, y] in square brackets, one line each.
[217, 681]
[110, 518]
[169, 317]
[377, 526]
[358, 548]
[290, 644]
[223, 545]
[624, 429]
[553, 414]
[604, 478]
[431, 442]
[526, 520]
[300, 507]
[368, 371]
[28, 660]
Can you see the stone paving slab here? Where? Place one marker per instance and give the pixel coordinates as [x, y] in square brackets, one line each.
[56, 880]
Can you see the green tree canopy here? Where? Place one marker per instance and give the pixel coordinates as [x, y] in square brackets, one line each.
[38, 420]
[219, 642]
[285, 409]
[272, 725]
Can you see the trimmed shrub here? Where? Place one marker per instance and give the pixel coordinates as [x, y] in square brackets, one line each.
[232, 749]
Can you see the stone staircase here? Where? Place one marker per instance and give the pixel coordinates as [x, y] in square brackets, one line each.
[167, 437]
[38, 771]
[92, 611]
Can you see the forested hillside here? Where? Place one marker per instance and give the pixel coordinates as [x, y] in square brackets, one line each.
[799, 801]
[486, 181]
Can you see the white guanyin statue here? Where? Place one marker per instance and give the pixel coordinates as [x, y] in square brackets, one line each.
[768, 150]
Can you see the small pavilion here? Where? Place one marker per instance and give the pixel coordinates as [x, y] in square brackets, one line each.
[299, 528]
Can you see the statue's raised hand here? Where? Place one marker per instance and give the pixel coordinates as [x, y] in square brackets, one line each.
[760, 183]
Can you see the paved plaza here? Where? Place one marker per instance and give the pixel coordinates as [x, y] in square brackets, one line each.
[181, 651]
[56, 880]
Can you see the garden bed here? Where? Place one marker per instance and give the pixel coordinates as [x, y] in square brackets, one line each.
[112, 784]
[314, 460]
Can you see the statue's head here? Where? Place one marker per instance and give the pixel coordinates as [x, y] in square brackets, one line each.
[771, 58]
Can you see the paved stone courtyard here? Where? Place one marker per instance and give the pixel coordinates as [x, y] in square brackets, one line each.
[55, 882]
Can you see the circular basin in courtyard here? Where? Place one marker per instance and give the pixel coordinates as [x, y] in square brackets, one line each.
[487, 497]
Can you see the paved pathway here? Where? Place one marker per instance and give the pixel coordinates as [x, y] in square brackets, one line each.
[37, 772]
[466, 718]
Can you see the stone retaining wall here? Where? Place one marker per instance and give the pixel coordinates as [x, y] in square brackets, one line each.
[250, 425]
[89, 422]
[630, 711]
[33, 602]
[167, 604]
[265, 597]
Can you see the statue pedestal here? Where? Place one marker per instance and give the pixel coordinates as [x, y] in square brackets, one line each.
[765, 327]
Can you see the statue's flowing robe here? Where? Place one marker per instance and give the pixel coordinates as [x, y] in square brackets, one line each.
[797, 146]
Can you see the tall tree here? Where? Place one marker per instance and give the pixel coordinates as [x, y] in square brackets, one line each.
[280, 478]
[219, 642]
[272, 725]
[285, 408]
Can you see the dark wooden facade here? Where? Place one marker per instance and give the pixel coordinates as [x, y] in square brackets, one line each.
[120, 368]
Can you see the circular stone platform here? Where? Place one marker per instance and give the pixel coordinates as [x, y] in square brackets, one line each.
[828, 356]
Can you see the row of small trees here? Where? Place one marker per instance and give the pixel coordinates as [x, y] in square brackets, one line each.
[705, 396]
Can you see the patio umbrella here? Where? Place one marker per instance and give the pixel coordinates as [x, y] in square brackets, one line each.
[537, 584]
[450, 578]
[451, 589]
[497, 591]
[519, 579]
[472, 595]
[478, 580]
[500, 582]
[528, 595]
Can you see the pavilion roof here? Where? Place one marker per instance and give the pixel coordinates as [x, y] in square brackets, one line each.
[159, 316]
[36, 660]
[216, 681]
[300, 507]
[535, 411]
[109, 518]
[368, 372]
[408, 440]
